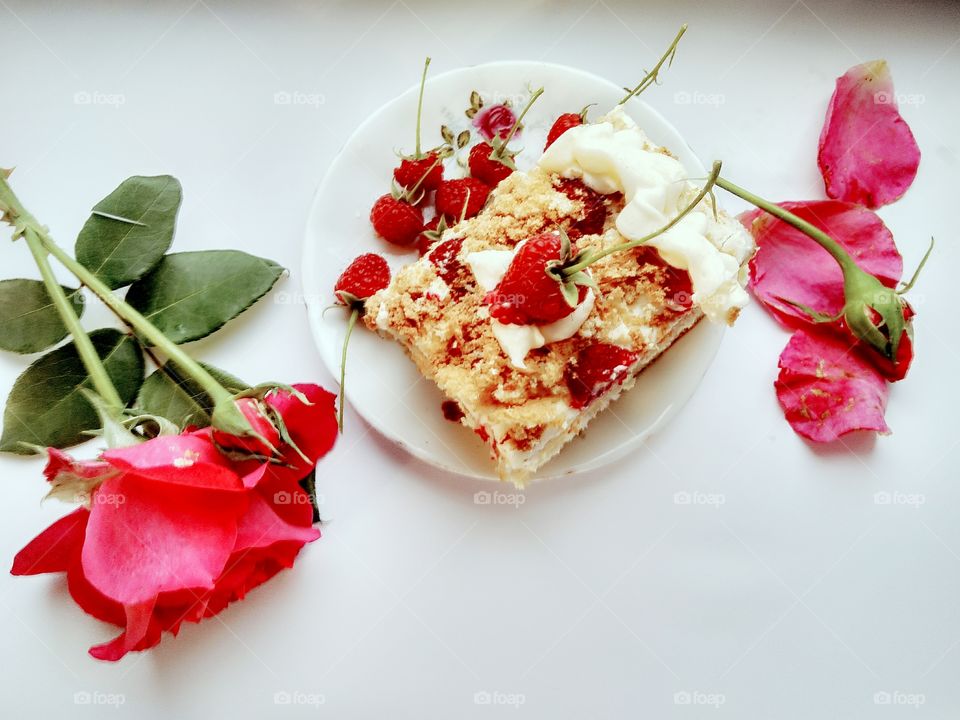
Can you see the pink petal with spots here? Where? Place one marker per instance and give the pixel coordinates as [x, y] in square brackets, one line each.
[867, 152]
[190, 459]
[827, 389]
[790, 265]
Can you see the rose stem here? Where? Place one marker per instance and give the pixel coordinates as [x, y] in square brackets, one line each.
[808, 229]
[141, 325]
[34, 233]
[591, 258]
[652, 76]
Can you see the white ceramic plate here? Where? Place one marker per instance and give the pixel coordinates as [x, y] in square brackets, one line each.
[383, 385]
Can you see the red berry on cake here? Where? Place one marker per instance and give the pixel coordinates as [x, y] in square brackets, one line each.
[595, 369]
[529, 293]
[396, 220]
[461, 199]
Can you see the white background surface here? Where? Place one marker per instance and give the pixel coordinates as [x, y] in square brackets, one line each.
[600, 596]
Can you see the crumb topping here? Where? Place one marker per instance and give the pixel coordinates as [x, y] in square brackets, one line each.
[448, 333]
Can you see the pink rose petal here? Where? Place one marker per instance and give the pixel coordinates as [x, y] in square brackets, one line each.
[827, 389]
[261, 527]
[867, 152]
[60, 463]
[790, 265]
[54, 549]
[139, 624]
[190, 459]
[146, 537]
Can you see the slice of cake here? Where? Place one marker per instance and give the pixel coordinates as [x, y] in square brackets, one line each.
[529, 388]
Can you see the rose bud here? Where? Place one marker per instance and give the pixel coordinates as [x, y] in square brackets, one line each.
[265, 438]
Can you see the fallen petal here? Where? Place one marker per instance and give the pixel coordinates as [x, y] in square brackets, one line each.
[868, 154]
[789, 265]
[827, 389]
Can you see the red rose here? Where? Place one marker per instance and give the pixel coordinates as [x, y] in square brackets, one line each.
[495, 120]
[175, 530]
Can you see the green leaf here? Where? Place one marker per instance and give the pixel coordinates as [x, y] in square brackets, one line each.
[130, 229]
[29, 322]
[169, 393]
[189, 295]
[47, 407]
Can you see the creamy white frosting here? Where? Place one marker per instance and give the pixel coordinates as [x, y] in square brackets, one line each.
[489, 267]
[614, 155]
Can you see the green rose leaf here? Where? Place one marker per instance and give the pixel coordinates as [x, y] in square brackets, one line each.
[29, 322]
[169, 393]
[191, 294]
[130, 229]
[46, 406]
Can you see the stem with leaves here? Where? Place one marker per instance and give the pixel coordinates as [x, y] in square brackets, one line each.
[872, 311]
[36, 235]
[227, 416]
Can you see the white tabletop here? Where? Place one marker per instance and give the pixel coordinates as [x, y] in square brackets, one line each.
[788, 588]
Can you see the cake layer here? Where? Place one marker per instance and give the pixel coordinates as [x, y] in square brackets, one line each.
[527, 410]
